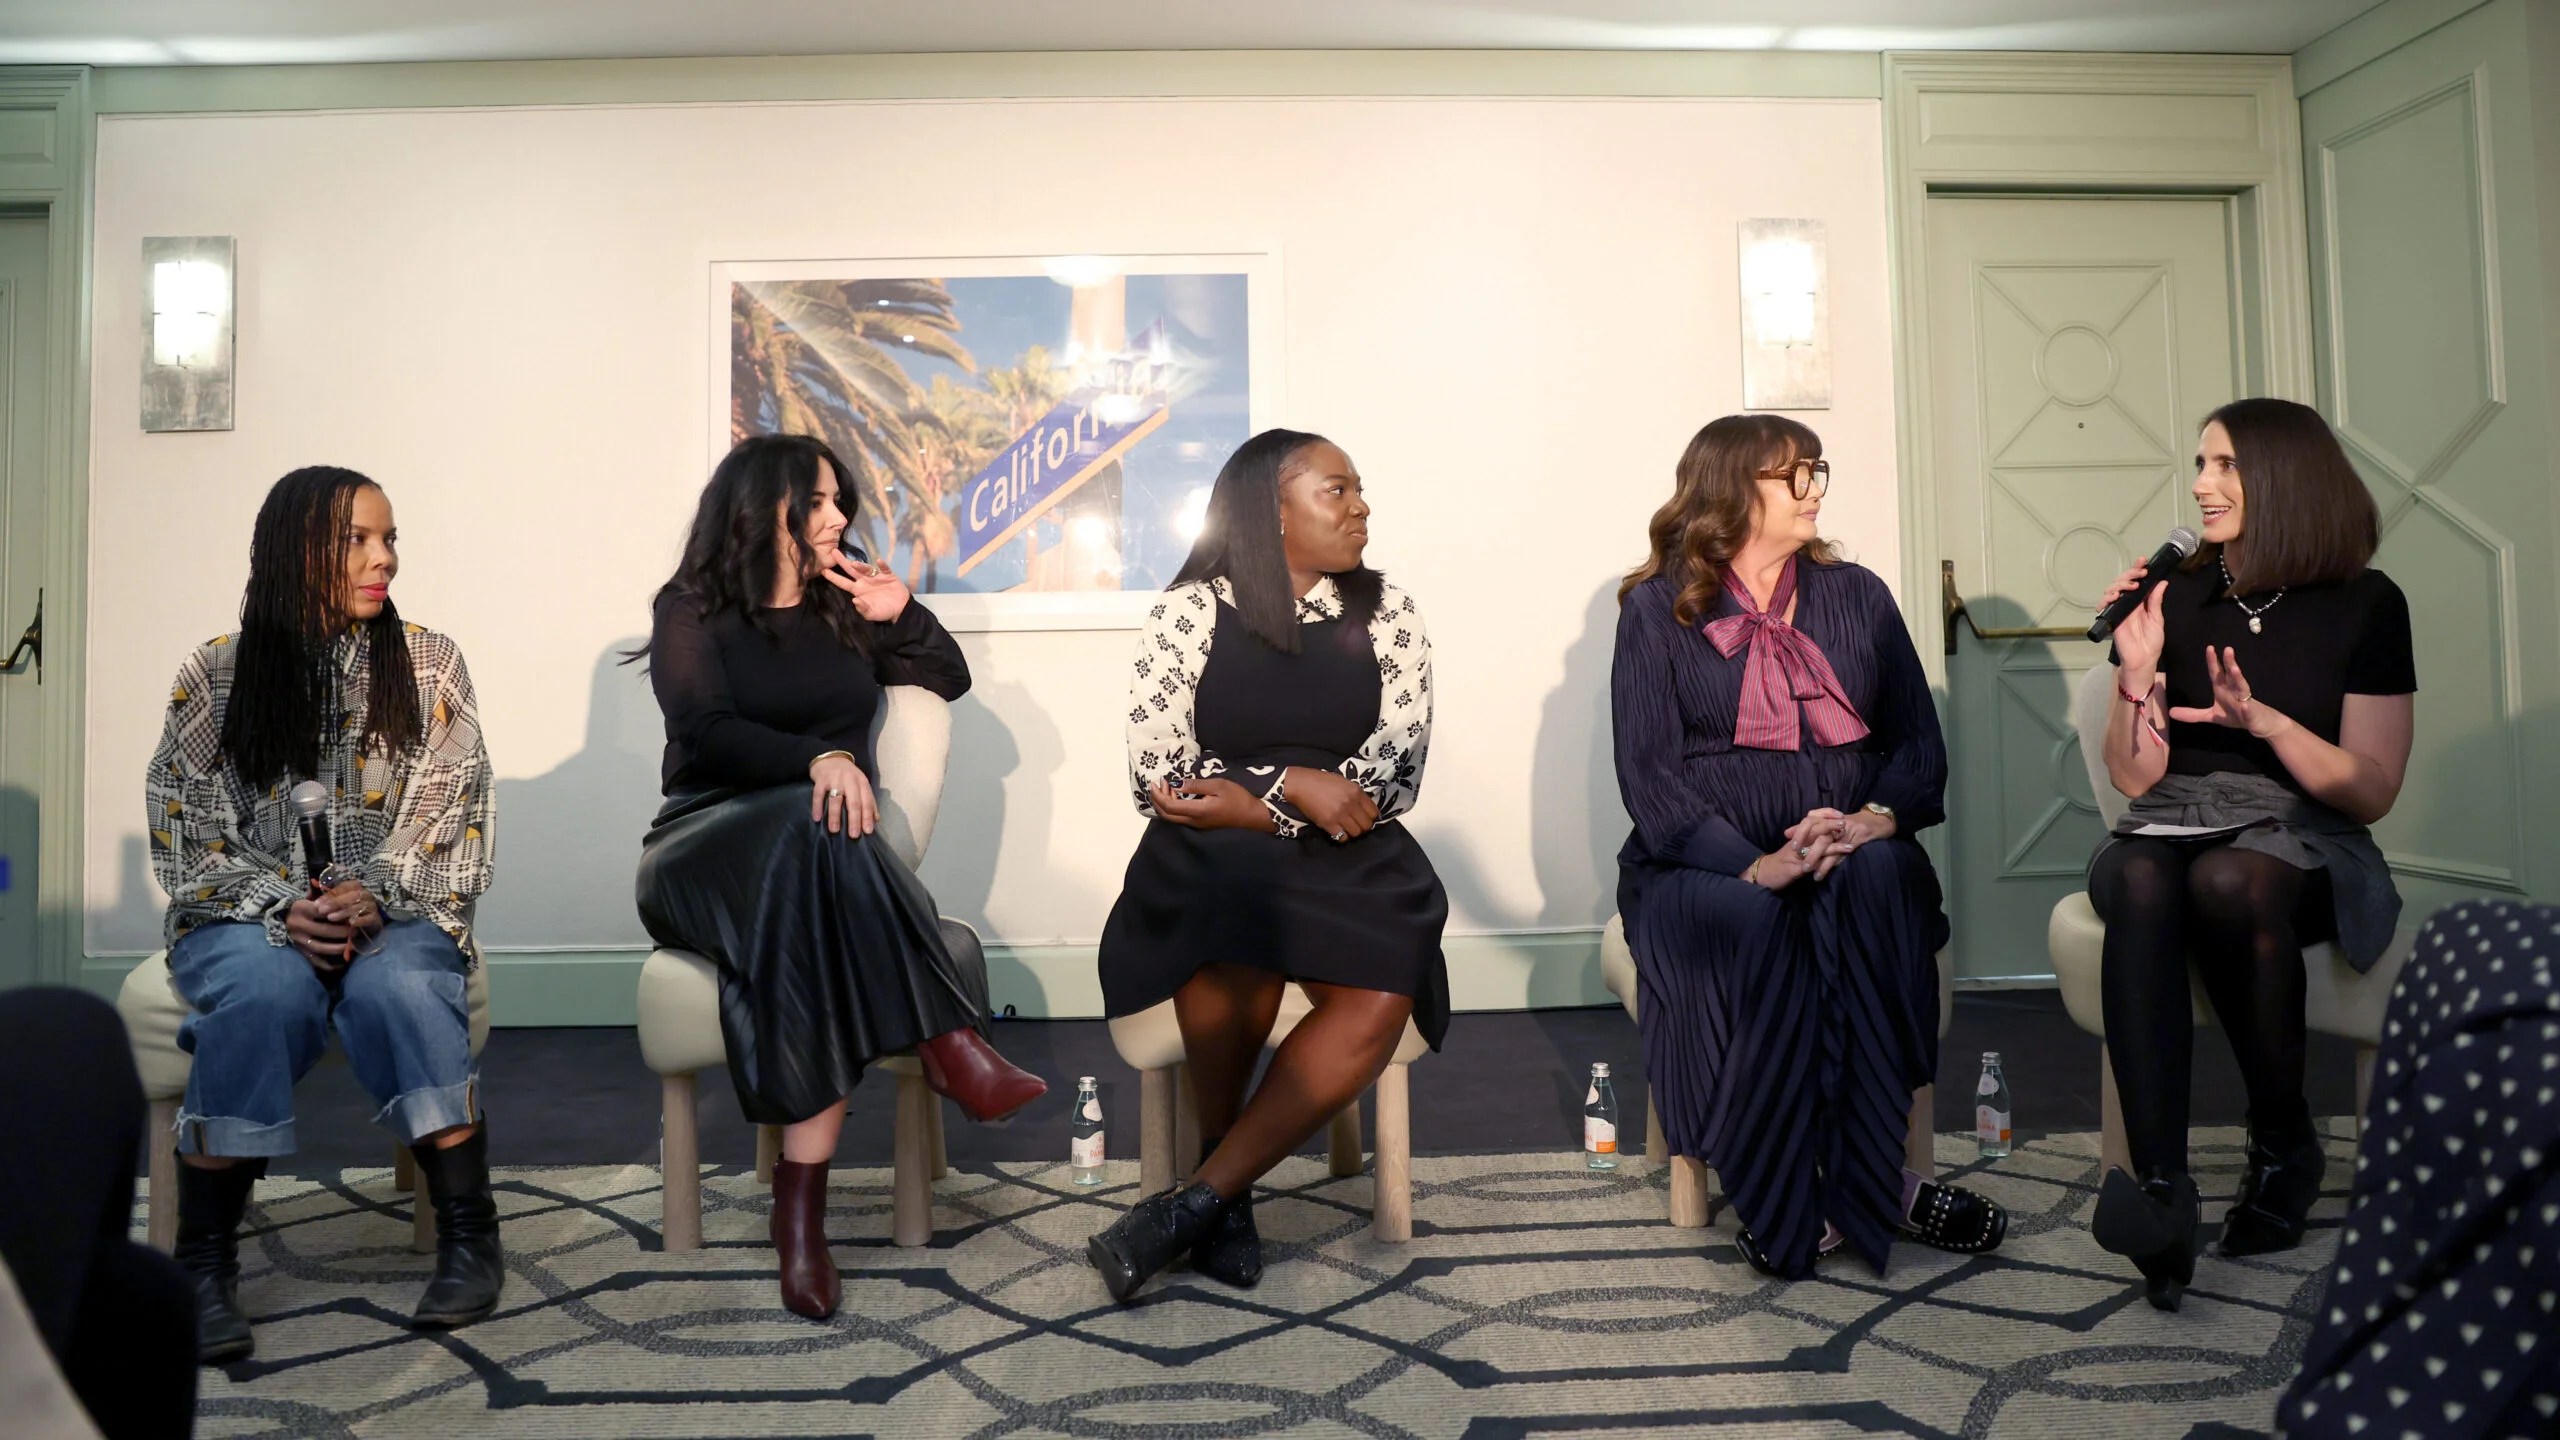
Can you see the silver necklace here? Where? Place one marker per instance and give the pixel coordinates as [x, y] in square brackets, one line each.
[2227, 584]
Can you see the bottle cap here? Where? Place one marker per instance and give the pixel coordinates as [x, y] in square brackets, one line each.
[1600, 1070]
[1990, 1057]
[1083, 1080]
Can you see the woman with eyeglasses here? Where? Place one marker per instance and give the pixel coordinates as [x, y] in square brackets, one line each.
[1777, 750]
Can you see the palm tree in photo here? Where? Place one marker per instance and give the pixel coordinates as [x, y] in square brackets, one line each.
[821, 357]
[958, 430]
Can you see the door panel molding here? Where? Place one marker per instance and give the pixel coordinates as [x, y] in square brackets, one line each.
[45, 170]
[2086, 124]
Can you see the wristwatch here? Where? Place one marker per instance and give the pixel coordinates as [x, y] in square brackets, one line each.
[1884, 810]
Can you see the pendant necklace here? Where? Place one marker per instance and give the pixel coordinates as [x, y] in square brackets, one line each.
[2254, 627]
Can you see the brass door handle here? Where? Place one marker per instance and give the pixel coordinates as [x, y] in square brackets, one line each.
[30, 644]
[1954, 605]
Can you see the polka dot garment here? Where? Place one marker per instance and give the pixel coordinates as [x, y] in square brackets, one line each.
[2441, 1316]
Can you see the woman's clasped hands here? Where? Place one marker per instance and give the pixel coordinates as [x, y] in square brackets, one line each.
[1816, 845]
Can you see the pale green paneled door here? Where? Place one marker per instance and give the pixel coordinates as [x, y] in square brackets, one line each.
[2074, 343]
[2435, 360]
[22, 492]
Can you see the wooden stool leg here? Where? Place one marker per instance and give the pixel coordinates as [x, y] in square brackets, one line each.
[1345, 1139]
[1156, 1105]
[1688, 1192]
[1186, 1127]
[1919, 1143]
[679, 1165]
[1391, 1212]
[768, 1150]
[1657, 1147]
[404, 1169]
[422, 1210]
[2364, 1084]
[933, 1125]
[2113, 1151]
[911, 1173]
[161, 1138]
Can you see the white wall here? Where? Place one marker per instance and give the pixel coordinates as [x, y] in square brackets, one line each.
[1512, 313]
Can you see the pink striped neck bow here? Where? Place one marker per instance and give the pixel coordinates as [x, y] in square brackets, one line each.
[1784, 667]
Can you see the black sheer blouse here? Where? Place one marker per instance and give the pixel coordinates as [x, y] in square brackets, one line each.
[747, 710]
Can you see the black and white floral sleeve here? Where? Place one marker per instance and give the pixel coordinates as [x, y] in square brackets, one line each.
[1172, 651]
[1389, 765]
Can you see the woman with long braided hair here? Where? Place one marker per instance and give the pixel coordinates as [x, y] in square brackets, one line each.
[324, 683]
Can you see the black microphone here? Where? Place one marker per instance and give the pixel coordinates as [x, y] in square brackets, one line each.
[310, 802]
[2181, 543]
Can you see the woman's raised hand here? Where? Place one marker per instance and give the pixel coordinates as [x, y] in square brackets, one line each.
[878, 594]
[840, 796]
[2139, 635]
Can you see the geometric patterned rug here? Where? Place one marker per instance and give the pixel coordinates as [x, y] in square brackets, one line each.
[1536, 1298]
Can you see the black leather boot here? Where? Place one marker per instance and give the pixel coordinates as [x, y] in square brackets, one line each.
[2153, 1224]
[2276, 1195]
[210, 1204]
[1147, 1239]
[470, 1268]
[1229, 1251]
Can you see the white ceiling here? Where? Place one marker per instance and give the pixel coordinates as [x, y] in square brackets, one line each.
[250, 32]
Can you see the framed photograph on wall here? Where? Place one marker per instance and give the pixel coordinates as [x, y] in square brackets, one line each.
[1032, 438]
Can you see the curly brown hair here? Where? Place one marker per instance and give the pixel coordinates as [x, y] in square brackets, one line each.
[1707, 520]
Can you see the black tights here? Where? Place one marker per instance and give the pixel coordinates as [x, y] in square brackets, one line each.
[2241, 918]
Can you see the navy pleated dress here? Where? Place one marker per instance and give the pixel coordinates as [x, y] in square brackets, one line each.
[1784, 1031]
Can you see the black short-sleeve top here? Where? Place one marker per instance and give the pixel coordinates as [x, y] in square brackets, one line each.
[2314, 647]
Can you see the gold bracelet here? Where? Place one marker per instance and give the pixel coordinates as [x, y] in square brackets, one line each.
[1751, 871]
[845, 755]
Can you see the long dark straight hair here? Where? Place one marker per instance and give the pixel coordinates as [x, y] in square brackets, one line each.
[1240, 541]
[1706, 522]
[2305, 515]
[284, 688]
[731, 554]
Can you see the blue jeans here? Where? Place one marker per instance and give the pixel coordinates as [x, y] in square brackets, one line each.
[262, 1017]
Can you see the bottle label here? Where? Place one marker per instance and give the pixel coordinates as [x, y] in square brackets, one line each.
[1989, 1085]
[1990, 1124]
[1599, 1136]
[1093, 1107]
[1085, 1151]
[1591, 1096]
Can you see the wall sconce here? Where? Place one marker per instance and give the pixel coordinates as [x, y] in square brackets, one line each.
[187, 348]
[1786, 316]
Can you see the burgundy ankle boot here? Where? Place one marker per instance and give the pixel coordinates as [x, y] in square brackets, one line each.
[810, 1285]
[988, 1087]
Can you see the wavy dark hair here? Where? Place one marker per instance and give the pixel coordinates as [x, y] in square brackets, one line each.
[1707, 520]
[1240, 541]
[2305, 515]
[731, 555]
[284, 687]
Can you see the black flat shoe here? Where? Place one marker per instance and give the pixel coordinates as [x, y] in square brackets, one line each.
[1230, 1250]
[1950, 1218]
[2276, 1196]
[1758, 1259]
[1147, 1239]
[2153, 1224]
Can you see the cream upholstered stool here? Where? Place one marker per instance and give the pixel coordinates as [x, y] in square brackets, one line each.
[152, 1011]
[680, 1000]
[33, 1393]
[1689, 1183]
[2337, 1001]
[1169, 1133]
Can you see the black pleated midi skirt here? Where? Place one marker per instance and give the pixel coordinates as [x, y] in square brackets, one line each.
[829, 950]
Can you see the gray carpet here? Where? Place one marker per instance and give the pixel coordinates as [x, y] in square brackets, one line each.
[1535, 1298]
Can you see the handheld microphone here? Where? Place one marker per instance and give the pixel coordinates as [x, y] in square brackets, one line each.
[310, 802]
[2181, 543]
